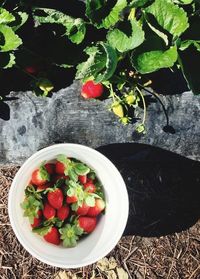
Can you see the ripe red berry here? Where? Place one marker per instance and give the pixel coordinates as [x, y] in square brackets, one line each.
[82, 179]
[55, 198]
[92, 90]
[72, 199]
[90, 187]
[48, 211]
[50, 168]
[60, 168]
[32, 69]
[82, 210]
[97, 209]
[88, 224]
[37, 220]
[53, 236]
[63, 212]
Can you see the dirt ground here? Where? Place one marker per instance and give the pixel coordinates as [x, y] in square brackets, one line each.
[176, 256]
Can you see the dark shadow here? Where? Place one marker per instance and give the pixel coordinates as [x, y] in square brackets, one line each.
[46, 49]
[163, 188]
[166, 82]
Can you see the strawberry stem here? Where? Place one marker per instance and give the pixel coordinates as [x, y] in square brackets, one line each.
[144, 105]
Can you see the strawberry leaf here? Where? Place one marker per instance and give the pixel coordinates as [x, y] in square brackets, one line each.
[20, 19]
[104, 14]
[5, 16]
[101, 64]
[119, 40]
[75, 28]
[169, 16]
[7, 60]
[11, 40]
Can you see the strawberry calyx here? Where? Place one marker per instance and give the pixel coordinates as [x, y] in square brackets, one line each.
[70, 234]
[32, 203]
[43, 173]
[65, 161]
[42, 230]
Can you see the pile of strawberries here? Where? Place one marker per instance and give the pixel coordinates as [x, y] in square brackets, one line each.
[63, 201]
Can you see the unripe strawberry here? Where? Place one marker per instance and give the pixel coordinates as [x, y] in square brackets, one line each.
[130, 99]
[118, 110]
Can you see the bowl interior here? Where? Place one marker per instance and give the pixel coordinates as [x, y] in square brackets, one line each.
[110, 226]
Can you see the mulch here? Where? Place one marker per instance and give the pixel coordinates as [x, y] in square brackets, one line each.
[175, 256]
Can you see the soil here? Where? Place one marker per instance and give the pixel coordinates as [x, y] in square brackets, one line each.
[175, 256]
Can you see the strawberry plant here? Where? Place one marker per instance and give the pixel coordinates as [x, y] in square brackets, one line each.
[113, 46]
[66, 208]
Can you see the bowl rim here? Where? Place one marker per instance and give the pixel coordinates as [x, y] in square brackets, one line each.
[32, 251]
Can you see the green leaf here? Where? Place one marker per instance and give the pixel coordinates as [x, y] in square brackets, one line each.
[122, 42]
[75, 28]
[152, 61]
[169, 16]
[186, 44]
[42, 230]
[20, 19]
[183, 2]
[156, 28]
[101, 64]
[5, 16]
[138, 3]
[104, 14]
[10, 40]
[7, 60]
[81, 169]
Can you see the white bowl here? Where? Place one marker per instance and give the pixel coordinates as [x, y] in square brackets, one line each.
[109, 229]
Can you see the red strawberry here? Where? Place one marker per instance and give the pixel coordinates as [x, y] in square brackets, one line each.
[72, 199]
[60, 167]
[50, 168]
[32, 69]
[82, 210]
[90, 187]
[55, 198]
[40, 176]
[97, 209]
[88, 224]
[44, 187]
[37, 220]
[89, 180]
[53, 236]
[48, 211]
[63, 212]
[92, 90]
[82, 178]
